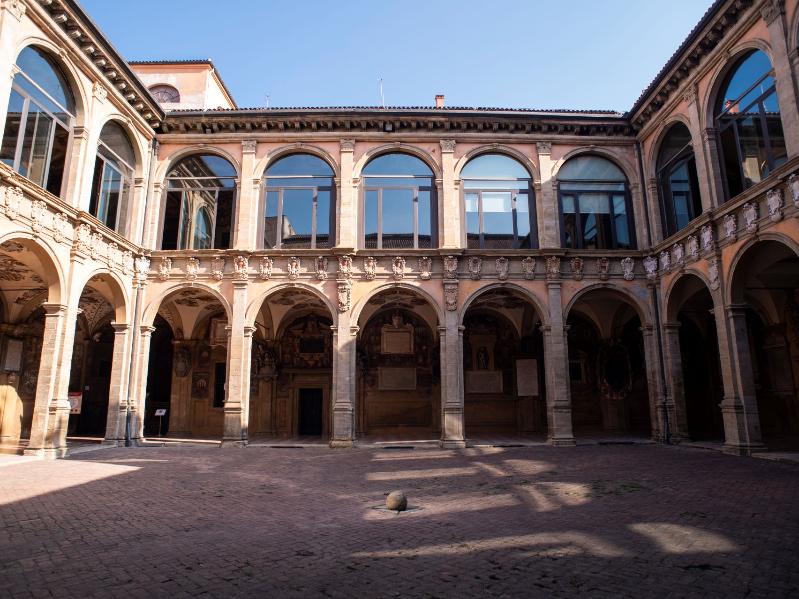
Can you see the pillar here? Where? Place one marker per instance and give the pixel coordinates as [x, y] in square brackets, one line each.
[713, 170]
[547, 212]
[710, 194]
[773, 12]
[117, 392]
[138, 393]
[674, 399]
[10, 16]
[344, 358]
[739, 408]
[452, 411]
[556, 357]
[347, 204]
[449, 213]
[655, 213]
[246, 210]
[238, 371]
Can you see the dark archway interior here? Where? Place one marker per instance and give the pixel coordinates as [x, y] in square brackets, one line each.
[90, 378]
[159, 379]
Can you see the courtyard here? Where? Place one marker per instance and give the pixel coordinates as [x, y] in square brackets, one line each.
[601, 520]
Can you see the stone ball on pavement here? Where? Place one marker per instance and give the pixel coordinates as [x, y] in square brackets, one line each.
[396, 500]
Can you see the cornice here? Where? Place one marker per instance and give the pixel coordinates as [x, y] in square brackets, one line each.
[87, 38]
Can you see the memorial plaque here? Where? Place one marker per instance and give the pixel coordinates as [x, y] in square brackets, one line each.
[13, 361]
[395, 341]
[527, 377]
[396, 379]
[483, 381]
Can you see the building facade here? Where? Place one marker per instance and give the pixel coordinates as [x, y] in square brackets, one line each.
[173, 264]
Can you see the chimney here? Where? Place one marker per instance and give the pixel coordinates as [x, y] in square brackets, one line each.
[439, 100]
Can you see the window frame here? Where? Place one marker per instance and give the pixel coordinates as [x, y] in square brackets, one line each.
[68, 125]
[723, 119]
[126, 181]
[331, 189]
[684, 155]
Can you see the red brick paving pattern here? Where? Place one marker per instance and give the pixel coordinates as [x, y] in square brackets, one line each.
[608, 521]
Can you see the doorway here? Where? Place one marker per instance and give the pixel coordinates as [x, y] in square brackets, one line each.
[310, 412]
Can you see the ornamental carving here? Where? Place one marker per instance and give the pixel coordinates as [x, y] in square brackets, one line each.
[475, 265]
[450, 267]
[344, 295]
[502, 267]
[528, 268]
[553, 267]
[347, 145]
[544, 147]
[398, 268]
[192, 268]
[793, 185]
[217, 268]
[576, 265]
[730, 227]
[240, 267]
[651, 267]
[96, 245]
[38, 213]
[603, 268]
[12, 197]
[708, 241]
[249, 146]
[678, 254]
[164, 268]
[628, 268]
[665, 261]
[141, 267]
[127, 262]
[369, 268]
[321, 268]
[448, 145]
[425, 268]
[774, 203]
[713, 272]
[265, 268]
[293, 268]
[692, 246]
[344, 268]
[451, 295]
[61, 227]
[750, 216]
[16, 8]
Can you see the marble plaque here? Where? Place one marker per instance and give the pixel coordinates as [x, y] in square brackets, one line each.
[396, 379]
[398, 341]
[527, 378]
[13, 361]
[483, 381]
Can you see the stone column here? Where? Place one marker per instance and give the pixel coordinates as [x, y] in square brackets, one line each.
[117, 392]
[452, 411]
[79, 156]
[45, 407]
[10, 16]
[713, 167]
[238, 370]
[655, 212]
[138, 394]
[547, 212]
[347, 204]
[449, 213]
[773, 12]
[556, 362]
[739, 408]
[674, 398]
[344, 358]
[704, 165]
[246, 222]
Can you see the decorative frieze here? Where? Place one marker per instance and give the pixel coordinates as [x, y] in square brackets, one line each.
[293, 268]
[474, 265]
[321, 268]
[793, 185]
[730, 224]
[528, 268]
[451, 295]
[265, 268]
[665, 261]
[448, 145]
[369, 268]
[553, 268]
[217, 268]
[344, 295]
[450, 267]
[713, 272]
[692, 247]
[425, 268]
[774, 203]
[628, 268]
[750, 216]
[344, 268]
[398, 268]
[142, 268]
[678, 254]
[240, 268]
[164, 268]
[10, 200]
[576, 265]
[192, 268]
[603, 268]
[651, 267]
[502, 267]
[707, 237]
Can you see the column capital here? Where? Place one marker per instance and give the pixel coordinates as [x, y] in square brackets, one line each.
[54, 309]
[672, 326]
[248, 331]
[447, 145]
[146, 330]
[736, 310]
[347, 145]
[120, 328]
[248, 146]
[772, 10]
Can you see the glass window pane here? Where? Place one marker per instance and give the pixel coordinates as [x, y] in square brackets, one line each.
[497, 219]
[754, 160]
[300, 164]
[523, 220]
[202, 231]
[567, 203]
[41, 69]
[472, 220]
[323, 219]
[108, 199]
[58, 159]
[116, 139]
[590, 168]
[370, 219]
[621, 227]
[296, 224]
[397, 218]
[36, 145]
[11, 132]
[425, 232]
[570, 230]
[397, 164]
[494, 166]
[595, 212]
[270, 224]
[750, 69]
[225, 199]
[594, 202]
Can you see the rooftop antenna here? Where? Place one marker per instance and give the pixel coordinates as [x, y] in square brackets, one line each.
[382, 97]
[267, 97]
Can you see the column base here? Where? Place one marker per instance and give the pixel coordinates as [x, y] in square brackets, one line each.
[562, 441]
[341, 443]
[742, 450]
[234, 443]
[50, 453]
[453, 444]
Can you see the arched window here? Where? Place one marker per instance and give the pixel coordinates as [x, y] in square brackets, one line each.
[679, 187]
[748, 123]
[498, 199]
[199, 182]
[399, 203]
[594, 205]
[41, 112]
[113, 172]
[299, 198]
[165, 94]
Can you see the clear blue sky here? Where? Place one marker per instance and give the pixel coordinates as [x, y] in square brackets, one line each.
[578, 54]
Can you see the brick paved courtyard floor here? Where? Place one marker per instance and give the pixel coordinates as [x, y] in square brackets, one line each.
[636, 521]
